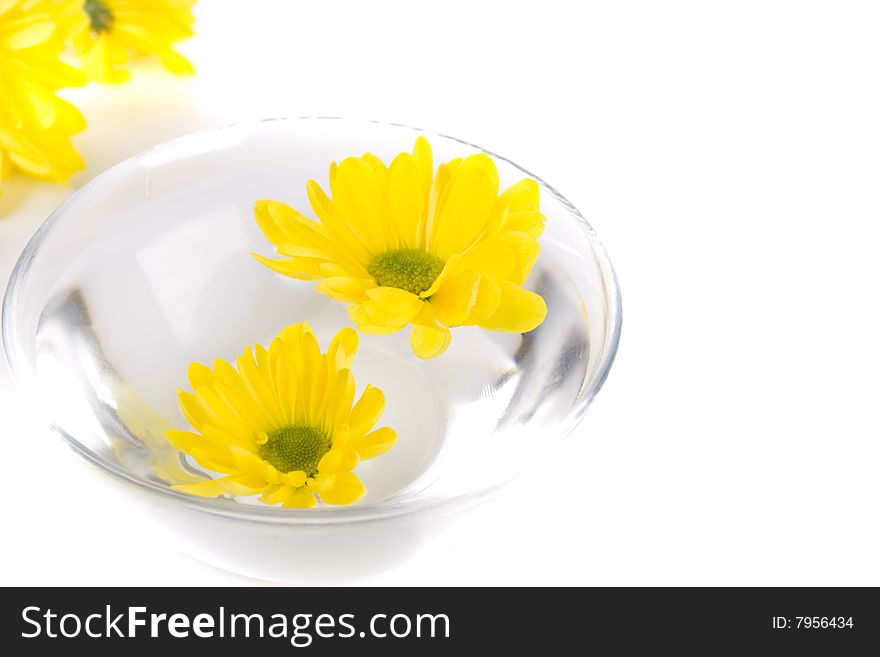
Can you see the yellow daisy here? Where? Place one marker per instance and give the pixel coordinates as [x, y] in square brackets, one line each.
[108, 33]
[404, 245]
[280, 423]
[35, 124]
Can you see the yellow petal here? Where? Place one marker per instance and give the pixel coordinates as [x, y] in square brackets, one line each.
[261, 395]
[298, 498]
[247, 461]
[367, 411]
[176, 63]
[295, 479]
[199, 375]
[377, 165]
[525, 250]
[212, 460]
[267, 223]
[43, 105]
[38, 29]
[243, 484]
[407, 198]
[145, 41]
[211, 488]
[364, 323]
[359, 196]
[184, 441]
[230, 413]
[342, 488]
[342, 349]
[455, 298]
[310, 369]
[338, 460]
[519, 310]
[273, 477]
[429, 342]
[275, 494]
[5, 165]
[492, 257]
[285, 227]
[305, 269]
[465, 299]
[376, 443]
[209, 455]
[391, 306]
[486, 303]
[466, 207]
[25, 155]
[428, 339]
[522, 196]
[298, 235]
[100, 62]
[338, 230]
[340, 395]
[68, 118]
[347, 290]
[192, 409]
[424, 160]
[529, 222]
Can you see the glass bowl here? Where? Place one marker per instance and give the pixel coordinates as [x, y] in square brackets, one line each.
[147, 268]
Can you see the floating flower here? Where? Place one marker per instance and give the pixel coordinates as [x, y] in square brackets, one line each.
[281, 422]
[404, 245]
[107, 33]
[35, 124]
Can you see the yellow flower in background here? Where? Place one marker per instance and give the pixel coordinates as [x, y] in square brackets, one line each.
[108, 33]
[35, 124]
[405, 245]
[281, 422]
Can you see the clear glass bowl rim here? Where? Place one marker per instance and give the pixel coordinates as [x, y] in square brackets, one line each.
[15, 347]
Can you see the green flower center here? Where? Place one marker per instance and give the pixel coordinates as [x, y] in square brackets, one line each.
[100, 16]
[295, 447]
[412, 270]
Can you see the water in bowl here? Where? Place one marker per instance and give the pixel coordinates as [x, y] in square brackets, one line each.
[150, 270]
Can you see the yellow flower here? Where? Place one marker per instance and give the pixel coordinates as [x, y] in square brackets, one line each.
[404, 245]
[281, 423]
[35, 124]
[107, 33]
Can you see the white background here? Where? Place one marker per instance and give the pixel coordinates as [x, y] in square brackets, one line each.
[728, 153]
